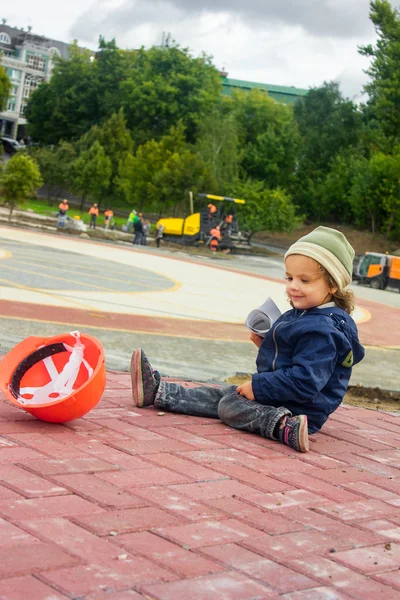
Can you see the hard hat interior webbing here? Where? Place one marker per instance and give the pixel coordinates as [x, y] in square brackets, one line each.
[31, 360]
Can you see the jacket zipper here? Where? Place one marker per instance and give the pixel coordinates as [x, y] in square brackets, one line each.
[276, 343]
[276, 347]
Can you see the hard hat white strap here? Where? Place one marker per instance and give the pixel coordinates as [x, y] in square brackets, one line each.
[60, 384]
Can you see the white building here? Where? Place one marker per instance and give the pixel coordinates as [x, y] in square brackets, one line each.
[28, 61]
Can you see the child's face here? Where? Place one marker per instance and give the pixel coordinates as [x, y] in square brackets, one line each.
[306, 285]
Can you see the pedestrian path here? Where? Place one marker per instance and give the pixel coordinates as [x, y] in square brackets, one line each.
[128, 504]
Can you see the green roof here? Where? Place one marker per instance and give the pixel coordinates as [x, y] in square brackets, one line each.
[288, 91]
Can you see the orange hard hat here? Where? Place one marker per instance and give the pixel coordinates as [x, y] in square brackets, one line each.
[55, 379]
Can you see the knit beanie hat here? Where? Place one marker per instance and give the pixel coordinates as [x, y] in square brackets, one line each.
[330, 249]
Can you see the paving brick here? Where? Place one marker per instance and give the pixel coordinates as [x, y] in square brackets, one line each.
[26, 558]
[373, 466]
[101, 492]
[131, 519]
[181, 561]
[28, 484]
[265, 520]
[125, 595]
[386, 457]
[54, 506]
[16, 588]
[73, 539]
[47, 466]
[254, 479]
[118, 459]
[321, 593]
[210, 533]
[7, 494]
[279, 577]
[254, 445]
[357, 511]
[373, 491]
[106, 577]
[18, 454]
[391, 578]
[293, 545]
[310, 483]
[45, 444]
[384, 528]
[372, 559]
[186, 467]
[151, 446]
[14, 536]
[356, 437]
[284, 500]
[143, 476]
[347, 474]
[350, 582]
[179, 505]
[226, 586]
[187, 437]
[350, 534]
[25, 423]
[323, 462]
[213, 489]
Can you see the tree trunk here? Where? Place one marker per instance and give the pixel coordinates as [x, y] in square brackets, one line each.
[83, 197]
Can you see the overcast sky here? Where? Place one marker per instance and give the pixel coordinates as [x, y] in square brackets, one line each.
[284, 42]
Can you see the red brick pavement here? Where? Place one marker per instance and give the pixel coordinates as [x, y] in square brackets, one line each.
[127, 504]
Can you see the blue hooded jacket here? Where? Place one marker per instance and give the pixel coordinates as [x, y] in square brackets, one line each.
[304, 362]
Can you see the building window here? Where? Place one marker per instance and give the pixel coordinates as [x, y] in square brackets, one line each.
[23, 109]
[4, 38]
[14, 90]
[11, 105]
[36, 62]
[30, 85]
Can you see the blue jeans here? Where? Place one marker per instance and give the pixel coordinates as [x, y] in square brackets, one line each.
[220, 403]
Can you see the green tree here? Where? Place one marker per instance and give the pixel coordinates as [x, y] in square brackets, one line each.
[265, 209]
[116, 141]
[375, 195]
[167, 85]
[19, 180]
[269, 138]
[219, 147]
[66, 106]
[383, 89]
[328, 124]
[92, 172]
[55, 166]
[5, 87]
[335, 191]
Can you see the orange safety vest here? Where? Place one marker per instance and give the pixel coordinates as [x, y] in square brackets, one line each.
[108, 214]
[215, 233]
[213, 209]
[229, 218]
[63, 206]
[93, 211]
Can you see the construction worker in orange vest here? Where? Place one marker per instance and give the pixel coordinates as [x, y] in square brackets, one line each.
[62, 213]
[94, 213]
[212, 209]
[228, 223]
[215, 237]
[108, 215]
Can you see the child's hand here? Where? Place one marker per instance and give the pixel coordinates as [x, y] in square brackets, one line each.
[246, 390]
[256, 339]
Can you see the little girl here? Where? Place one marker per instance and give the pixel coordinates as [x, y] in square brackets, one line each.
[304, 362]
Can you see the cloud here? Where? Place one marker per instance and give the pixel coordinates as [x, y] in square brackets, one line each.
[320, 18]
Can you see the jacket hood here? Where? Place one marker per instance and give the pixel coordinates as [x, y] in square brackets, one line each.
[346, 325]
